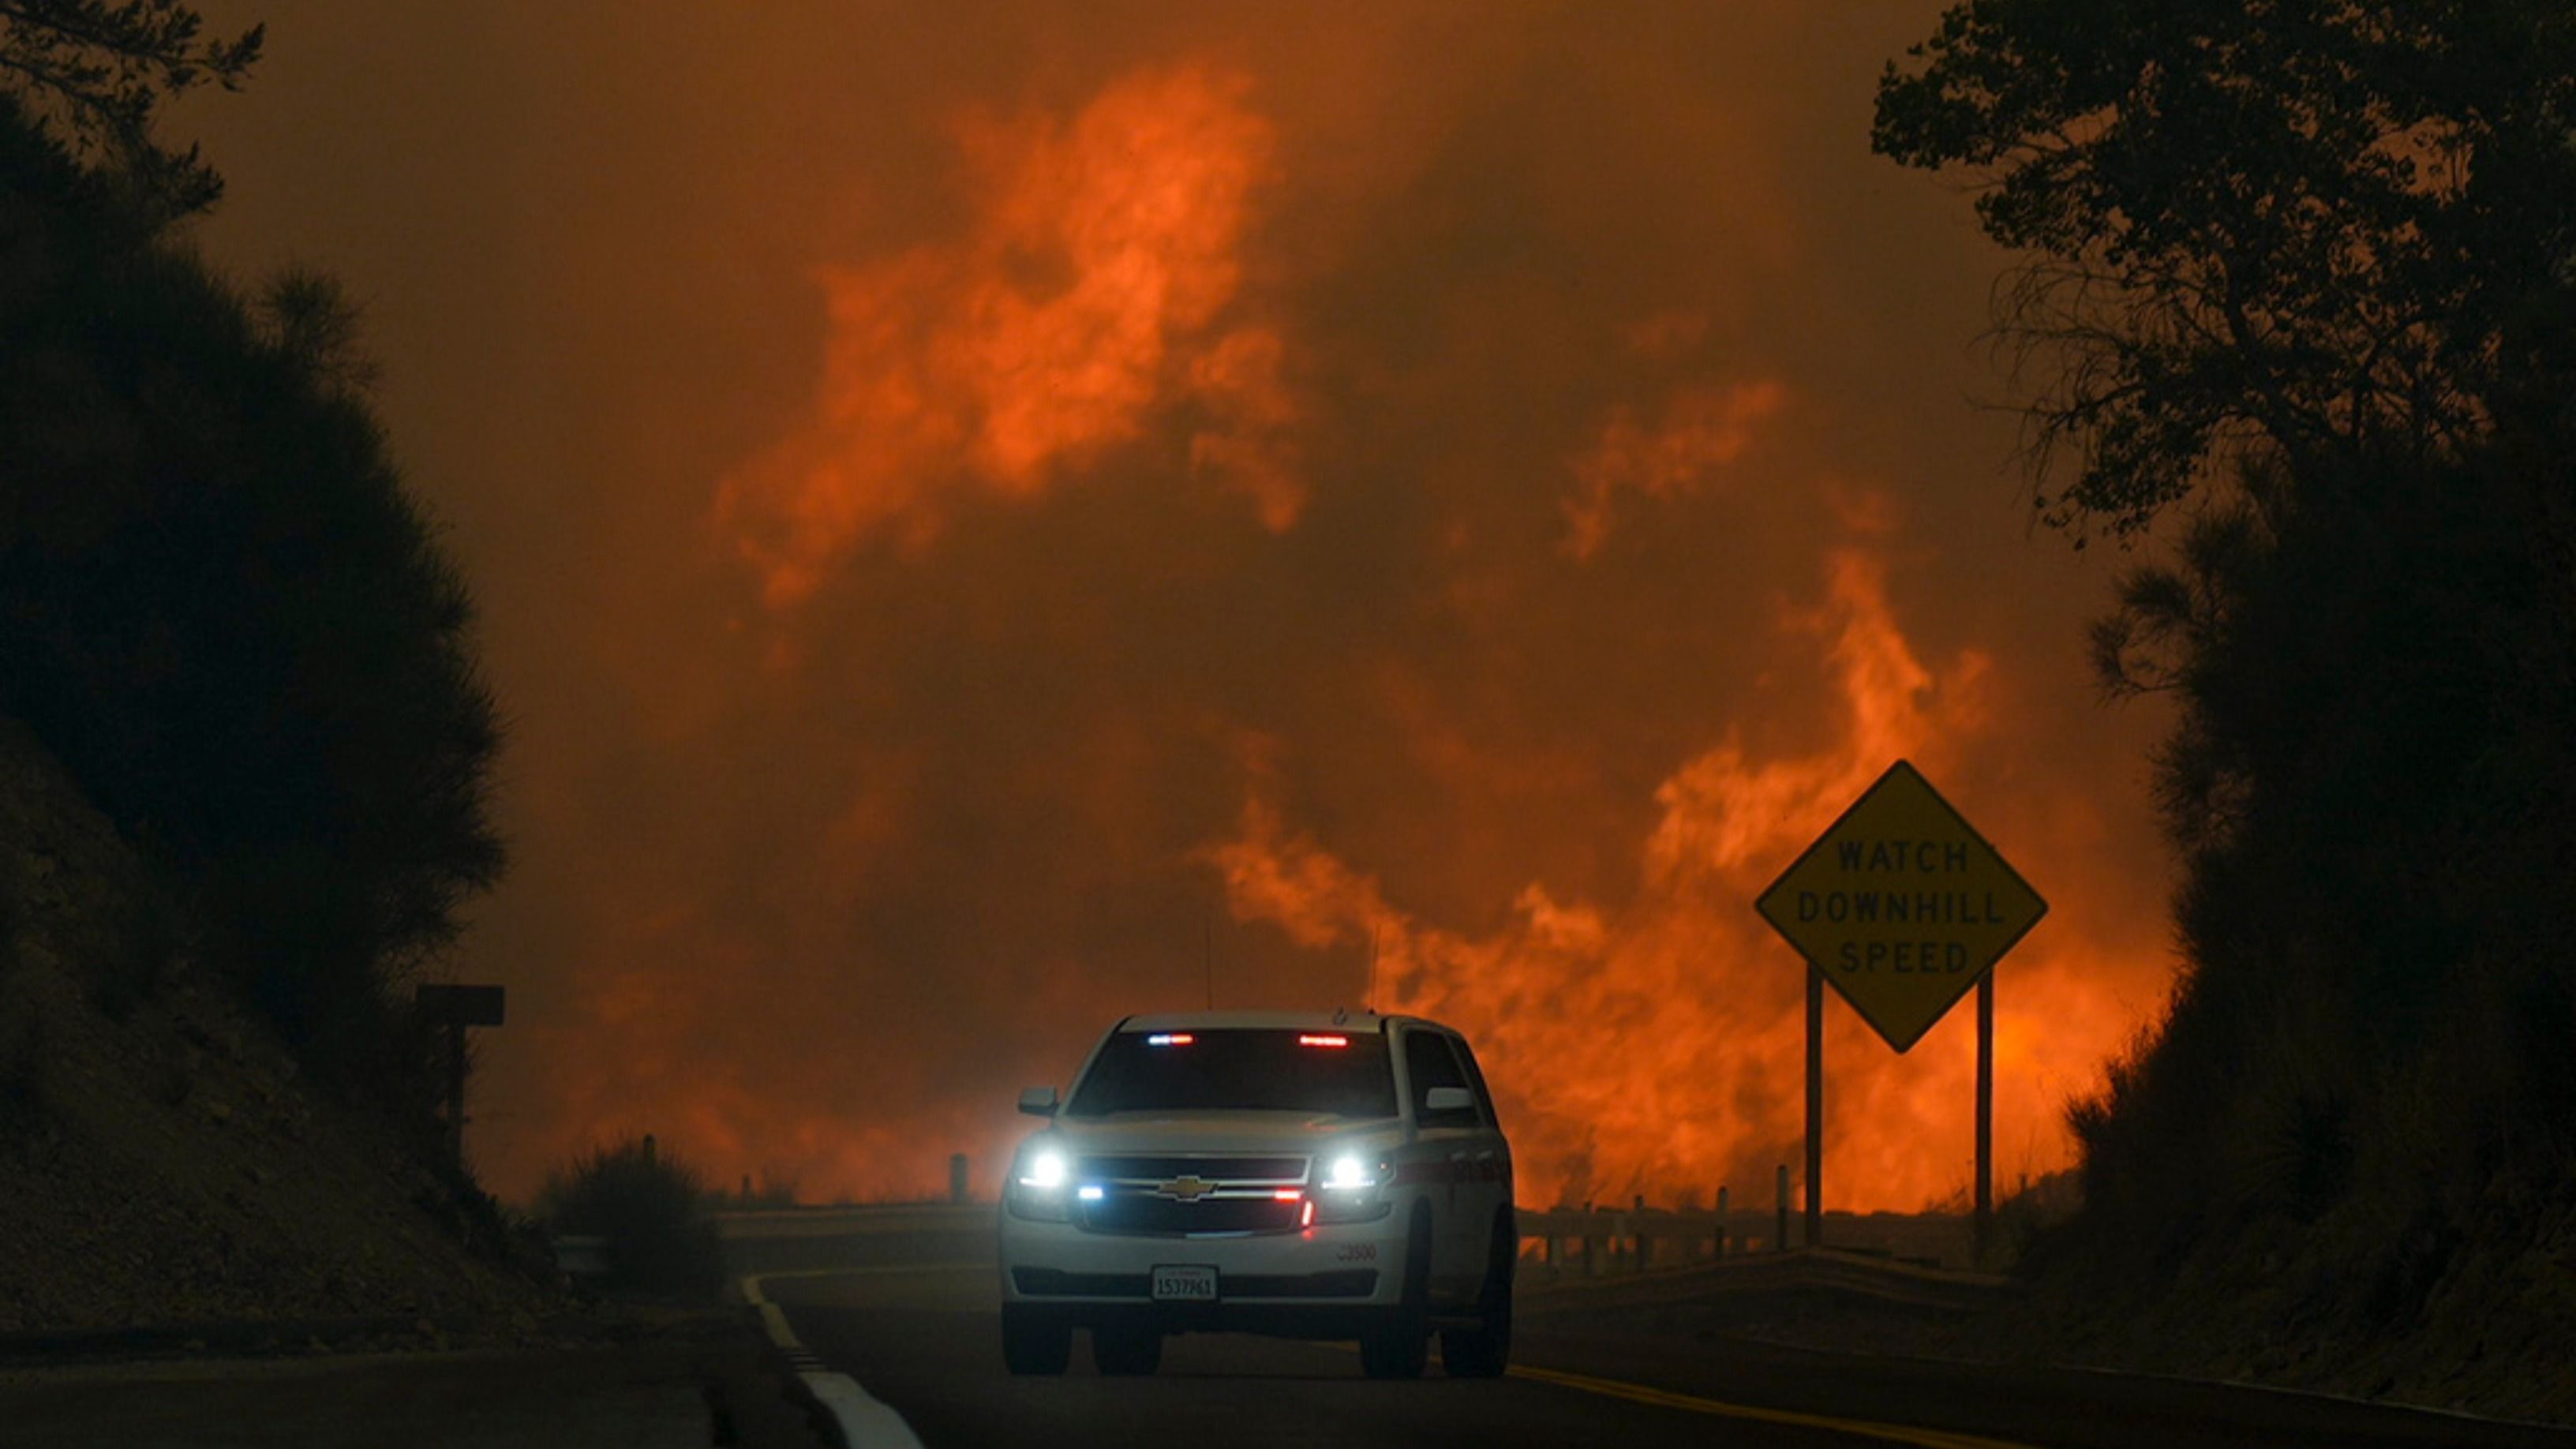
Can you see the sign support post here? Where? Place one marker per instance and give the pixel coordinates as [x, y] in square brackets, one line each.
[1985, 1113]
[1815, 1106]
[456, 1008]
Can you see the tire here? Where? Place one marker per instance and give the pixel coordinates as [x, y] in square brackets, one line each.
[1126, 1350]
[1034, 1341]
[1398, 1344]
[1485, 1351]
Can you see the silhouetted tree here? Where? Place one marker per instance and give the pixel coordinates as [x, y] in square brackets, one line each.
[221, 609]
[2314, 263]
[94, 73]
[2308, 225]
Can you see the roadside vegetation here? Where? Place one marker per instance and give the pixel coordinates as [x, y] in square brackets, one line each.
[2297, 319]
[219, 607]
[652, 1210]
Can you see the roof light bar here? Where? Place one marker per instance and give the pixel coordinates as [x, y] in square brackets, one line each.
[1170, 1038]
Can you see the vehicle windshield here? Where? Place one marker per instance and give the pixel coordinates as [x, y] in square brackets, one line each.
[1343, 1074]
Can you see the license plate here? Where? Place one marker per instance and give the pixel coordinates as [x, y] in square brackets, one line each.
[1184, 1283]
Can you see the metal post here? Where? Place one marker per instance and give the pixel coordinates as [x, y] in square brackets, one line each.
[648, 1149]
[1645, 1253]
[1780, 1242]
[957, 1177]
[1815, 1107]
[1985, 1114]
[456, 1094]
[1721, 1222]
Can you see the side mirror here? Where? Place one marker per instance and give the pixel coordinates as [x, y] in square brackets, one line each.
[1038, 1101]
[1447, 1099]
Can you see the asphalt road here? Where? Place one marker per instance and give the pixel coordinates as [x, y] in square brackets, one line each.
[917, 1323]
[924, 1339]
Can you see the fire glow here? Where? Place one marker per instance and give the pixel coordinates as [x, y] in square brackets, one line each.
[1166, 510]
[1657, 1050]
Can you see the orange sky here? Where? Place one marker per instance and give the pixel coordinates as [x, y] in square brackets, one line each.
[972, 508]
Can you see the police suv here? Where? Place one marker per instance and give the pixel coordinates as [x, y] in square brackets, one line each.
[1304, 1174]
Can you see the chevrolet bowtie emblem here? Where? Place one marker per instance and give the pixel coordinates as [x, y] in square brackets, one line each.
[1185, 1189]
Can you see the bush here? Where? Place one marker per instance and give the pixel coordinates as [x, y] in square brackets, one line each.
[650, 1208]
[25, 1067]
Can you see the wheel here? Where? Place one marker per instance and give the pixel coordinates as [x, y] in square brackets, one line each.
[1484, 1351]
[1126, 1349]
[1398, 1344]
[1034, 1341]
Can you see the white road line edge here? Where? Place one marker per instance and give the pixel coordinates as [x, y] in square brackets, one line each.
[866, 1422]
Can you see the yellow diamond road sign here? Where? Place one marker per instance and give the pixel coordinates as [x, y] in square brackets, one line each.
[1902, 905]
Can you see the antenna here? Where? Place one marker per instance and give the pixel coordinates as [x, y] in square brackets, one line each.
[1371, 1004]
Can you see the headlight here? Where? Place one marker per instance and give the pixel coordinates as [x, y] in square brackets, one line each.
[1350, 1188]
[1348, 1171]
[1037, 1184]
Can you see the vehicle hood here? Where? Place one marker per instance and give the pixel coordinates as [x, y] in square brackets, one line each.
[1181, 1132]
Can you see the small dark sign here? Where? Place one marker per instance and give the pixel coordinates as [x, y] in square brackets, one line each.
[462, 1005]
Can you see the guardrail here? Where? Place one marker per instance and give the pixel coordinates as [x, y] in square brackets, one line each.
[1601, 1241]
[581, 1255]
[1568, 1241]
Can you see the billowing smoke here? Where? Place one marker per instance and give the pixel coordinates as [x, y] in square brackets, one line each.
[991, 519]
[1077, 313]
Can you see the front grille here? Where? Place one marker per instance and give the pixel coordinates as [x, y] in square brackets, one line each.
[1134, 1212]
[1174, 1196]
[1285, 1171]
[1057, 1283]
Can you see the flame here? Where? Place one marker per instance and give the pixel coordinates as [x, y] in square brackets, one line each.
[1086, 295]
[1658, 1048]
[1702, 428]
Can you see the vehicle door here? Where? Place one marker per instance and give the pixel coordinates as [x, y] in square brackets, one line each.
[1447, 1142]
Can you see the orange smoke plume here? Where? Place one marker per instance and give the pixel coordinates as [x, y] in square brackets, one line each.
[1657, 1048]
[1095, 286]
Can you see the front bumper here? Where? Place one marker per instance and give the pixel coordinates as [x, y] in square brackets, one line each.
[1322, 1281]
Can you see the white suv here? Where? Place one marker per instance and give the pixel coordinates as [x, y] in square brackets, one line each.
[1306, 1174]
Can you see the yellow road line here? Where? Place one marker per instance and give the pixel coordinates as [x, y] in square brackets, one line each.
[1665, 1399]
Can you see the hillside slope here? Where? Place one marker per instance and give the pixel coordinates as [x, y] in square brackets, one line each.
[161, 1161]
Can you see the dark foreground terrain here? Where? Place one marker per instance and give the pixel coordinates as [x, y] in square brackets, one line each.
[911, 1313]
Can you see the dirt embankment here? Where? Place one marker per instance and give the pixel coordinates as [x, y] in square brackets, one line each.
[162, 1162]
